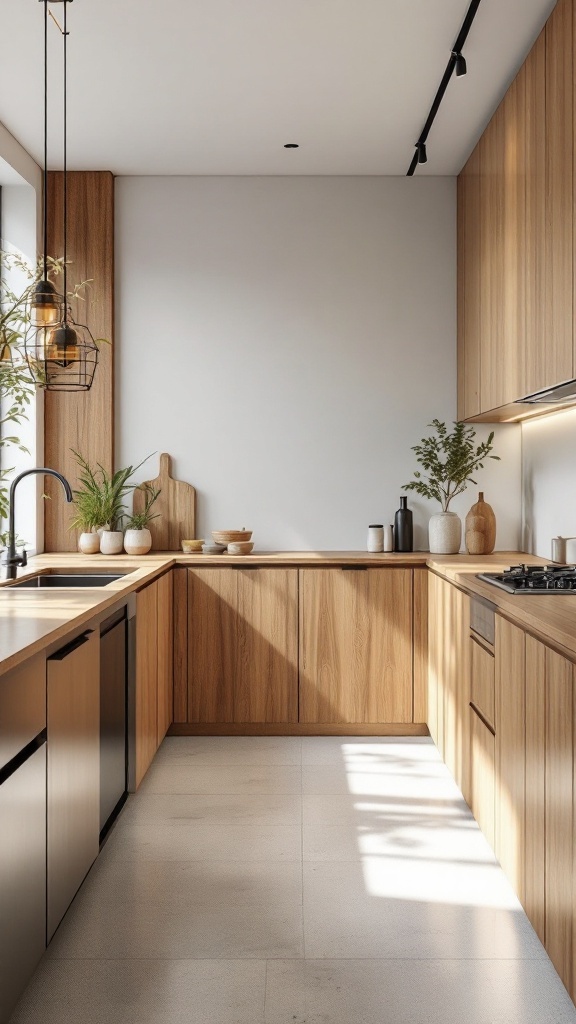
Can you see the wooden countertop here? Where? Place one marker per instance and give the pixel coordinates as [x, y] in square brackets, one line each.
[31, 620]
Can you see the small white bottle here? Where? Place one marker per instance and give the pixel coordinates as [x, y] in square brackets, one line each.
[376, 538]
[388, 538]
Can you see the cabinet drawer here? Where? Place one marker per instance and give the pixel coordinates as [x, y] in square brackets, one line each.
[22, 707]
[482, 681]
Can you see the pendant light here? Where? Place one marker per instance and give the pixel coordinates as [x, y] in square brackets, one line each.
[45, 305]
[61, 354]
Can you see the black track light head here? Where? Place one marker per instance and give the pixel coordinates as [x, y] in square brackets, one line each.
[421, 151]
[460, 63]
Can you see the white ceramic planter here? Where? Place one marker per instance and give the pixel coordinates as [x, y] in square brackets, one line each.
[100, 529]
[89, 543]
[445, 534]
[137, 542]
[111, 542]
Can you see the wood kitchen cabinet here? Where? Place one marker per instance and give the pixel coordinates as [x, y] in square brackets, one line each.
[154, 671]
[482, 774]
[355, 646]
[469, 294]
[73, 786]
[242, 644]
[535, 788]
[510, 709]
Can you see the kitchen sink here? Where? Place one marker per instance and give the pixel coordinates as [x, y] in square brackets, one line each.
[67, 580]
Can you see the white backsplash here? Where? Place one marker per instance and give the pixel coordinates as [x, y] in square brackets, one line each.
[548, 481]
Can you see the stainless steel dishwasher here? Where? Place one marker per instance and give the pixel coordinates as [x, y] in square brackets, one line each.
[22, 828]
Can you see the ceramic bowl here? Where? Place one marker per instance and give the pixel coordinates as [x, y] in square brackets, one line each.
[243, 547]
[188, 546]
[213, 549]
[230, 536]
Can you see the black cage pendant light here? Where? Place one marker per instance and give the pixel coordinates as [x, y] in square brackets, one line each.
[61, 354]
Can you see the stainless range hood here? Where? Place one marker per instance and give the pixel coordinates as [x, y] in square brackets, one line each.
[560, 394]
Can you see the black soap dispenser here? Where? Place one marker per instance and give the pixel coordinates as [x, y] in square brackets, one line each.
[403, 531]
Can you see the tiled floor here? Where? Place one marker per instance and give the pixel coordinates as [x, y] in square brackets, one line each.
[296, 881]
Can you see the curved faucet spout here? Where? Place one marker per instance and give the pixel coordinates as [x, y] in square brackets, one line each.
[11, 559]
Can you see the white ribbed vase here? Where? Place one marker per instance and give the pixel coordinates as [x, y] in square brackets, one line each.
[89, 543]
[137, 542]
[111, 542]
[445, 534]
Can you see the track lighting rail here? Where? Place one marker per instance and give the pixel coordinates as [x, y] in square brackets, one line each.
[456, 63]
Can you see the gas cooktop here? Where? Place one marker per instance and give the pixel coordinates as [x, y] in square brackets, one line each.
[534, 579]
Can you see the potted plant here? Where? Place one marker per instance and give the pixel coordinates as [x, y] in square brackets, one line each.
[101, 496]
[137, 536]
[449, 459]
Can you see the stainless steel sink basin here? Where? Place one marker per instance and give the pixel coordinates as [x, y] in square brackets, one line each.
[67, 580]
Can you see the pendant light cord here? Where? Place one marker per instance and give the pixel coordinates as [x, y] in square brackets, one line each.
[65, 167]
[45, 177]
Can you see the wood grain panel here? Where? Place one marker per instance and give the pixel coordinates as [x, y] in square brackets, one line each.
[558, 250]
[433, 655]
[510, 751]
[482, 775]
[537, 353]
[165, 655]
[482, 681]
[355, 645]
[513, 342]
[559, 813]
[180, 584]
[469, 336]
[73, 793]
[420, 645]
[212, 623]
[534, 860]
[296, 729]
[146, 679]
[492, 269]
[84, 421]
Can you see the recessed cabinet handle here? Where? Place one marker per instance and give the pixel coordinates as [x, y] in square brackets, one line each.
[72, 646]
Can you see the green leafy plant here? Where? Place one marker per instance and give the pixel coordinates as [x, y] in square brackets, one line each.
[449, 459]
[99, 501]
[140, 520]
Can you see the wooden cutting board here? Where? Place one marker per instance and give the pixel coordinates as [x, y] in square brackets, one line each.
[176, 506]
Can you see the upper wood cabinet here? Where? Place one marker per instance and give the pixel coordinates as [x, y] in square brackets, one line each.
[355, 646]
[242, 643]
[516, 265]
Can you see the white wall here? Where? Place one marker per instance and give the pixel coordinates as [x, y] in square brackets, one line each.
[287, 340]
[549, 481]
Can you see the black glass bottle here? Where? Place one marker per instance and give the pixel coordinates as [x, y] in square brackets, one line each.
[403, 532]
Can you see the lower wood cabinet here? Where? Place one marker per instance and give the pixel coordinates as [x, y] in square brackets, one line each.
[154, 671]
[482, 775]
[355, 646]
[510, 709]
[73, 787]
[242, 643]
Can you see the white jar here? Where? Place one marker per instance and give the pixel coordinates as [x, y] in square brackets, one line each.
[89, 543]
[388, 538]
[137, 542]
[375, 538]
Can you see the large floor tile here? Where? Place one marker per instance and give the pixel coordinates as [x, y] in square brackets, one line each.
[261, 809]
[237, 750]
[166, 841]
[228, 780]
[144, 992]
[373, 812]
[382, 910]
[416, 992]
[193, 910]
[361, 780]
[341, 750]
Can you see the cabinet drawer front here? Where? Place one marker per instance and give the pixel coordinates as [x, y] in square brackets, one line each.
[482, 681]
[22, 707]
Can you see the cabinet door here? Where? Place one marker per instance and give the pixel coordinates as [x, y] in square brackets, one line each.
[456, 666]
[559, 813]
[540, 358]
[146, 710]
[534, 859]
[510, 751]
[482, 775]
[165, 655]
[242, 645]
[558, 247]
[469, 288]
[356, 646]
[492, 270]
[73, 790]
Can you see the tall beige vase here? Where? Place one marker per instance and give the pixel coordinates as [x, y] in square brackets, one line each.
[480, 529]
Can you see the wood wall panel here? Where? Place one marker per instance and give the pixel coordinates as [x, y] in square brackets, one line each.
[84, 420]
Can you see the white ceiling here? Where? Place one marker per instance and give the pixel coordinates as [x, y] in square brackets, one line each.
[218, 86]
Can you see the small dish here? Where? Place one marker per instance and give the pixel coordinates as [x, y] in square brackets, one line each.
[230, 536]
[188, 546]
[213, 549]
[243, 547]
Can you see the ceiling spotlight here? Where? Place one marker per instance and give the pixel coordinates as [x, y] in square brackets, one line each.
[291, 145]
[421, 151]
[461, 68]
